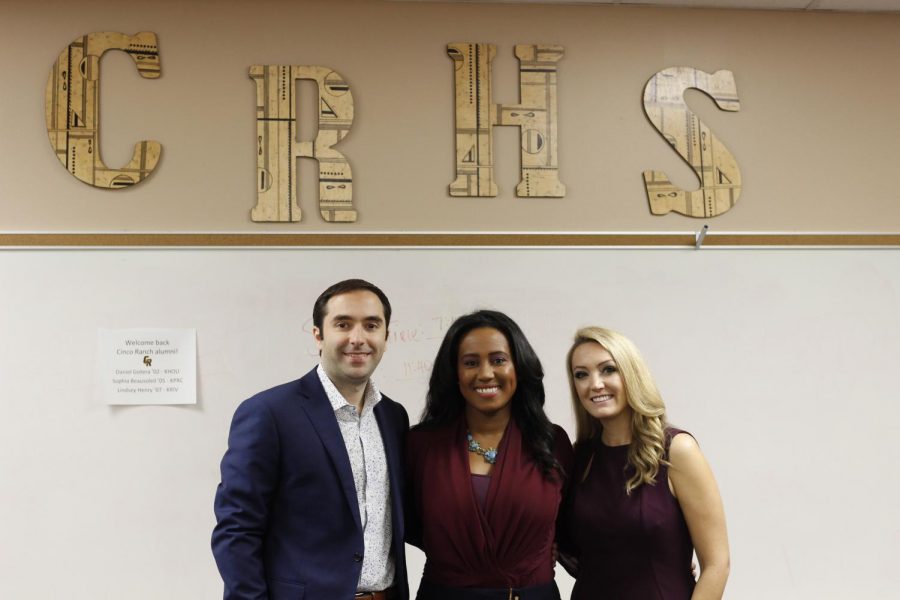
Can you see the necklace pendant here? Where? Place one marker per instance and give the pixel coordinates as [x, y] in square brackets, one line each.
[489, 454]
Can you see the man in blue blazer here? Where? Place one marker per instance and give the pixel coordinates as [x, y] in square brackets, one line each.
[310, 505]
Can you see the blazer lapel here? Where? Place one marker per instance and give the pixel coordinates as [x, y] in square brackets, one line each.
[321, 415]
[392, 453]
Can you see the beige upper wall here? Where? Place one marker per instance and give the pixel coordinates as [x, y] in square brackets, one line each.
[817, 137]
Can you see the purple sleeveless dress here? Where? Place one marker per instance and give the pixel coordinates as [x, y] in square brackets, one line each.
[633, 547]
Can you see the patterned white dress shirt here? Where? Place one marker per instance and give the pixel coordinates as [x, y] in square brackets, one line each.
[362, 437]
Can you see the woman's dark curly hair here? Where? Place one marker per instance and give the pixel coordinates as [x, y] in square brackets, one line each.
[445, 403]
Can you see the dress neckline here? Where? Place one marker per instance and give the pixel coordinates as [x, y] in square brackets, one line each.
[614, 447]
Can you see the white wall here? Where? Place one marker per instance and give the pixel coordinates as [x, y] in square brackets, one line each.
[780, 361]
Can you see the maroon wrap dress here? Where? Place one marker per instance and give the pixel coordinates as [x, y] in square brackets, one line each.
[506, 545]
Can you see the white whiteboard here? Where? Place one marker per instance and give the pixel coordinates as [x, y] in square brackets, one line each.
[781, 362]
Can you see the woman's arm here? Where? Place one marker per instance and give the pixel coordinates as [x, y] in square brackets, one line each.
[563, 548]
[695, 489]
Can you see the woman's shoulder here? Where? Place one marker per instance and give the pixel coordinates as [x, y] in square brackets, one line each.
[422, 440]
[587, 444]
[672, 433]
[426, 431]
[560, 437]
[562, 448]
[583, 450]
[681, 445]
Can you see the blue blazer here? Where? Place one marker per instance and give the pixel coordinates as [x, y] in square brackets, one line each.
[288, 519]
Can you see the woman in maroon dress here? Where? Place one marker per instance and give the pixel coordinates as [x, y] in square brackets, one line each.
[642, 498]
[486, 468]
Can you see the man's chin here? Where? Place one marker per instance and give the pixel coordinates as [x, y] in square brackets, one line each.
[358, 373]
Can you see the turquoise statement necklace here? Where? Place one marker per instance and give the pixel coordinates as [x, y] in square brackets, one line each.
[489, 454]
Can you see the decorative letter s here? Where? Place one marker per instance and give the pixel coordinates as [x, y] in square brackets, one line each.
[720, 176]
[72, 107]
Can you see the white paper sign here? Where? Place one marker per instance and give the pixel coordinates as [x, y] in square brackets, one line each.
[147, 366]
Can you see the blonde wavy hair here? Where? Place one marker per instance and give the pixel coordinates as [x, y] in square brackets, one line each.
[647, 449]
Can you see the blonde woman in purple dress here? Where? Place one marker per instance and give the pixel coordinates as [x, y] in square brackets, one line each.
[643, 497]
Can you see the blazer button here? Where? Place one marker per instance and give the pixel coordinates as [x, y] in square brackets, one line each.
[357, 556]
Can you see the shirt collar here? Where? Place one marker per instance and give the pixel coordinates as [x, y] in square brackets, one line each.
[371, 396]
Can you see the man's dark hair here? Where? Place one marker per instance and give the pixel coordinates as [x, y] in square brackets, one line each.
[346, 286]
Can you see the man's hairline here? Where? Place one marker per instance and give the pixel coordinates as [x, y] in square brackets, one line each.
[381, 319]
